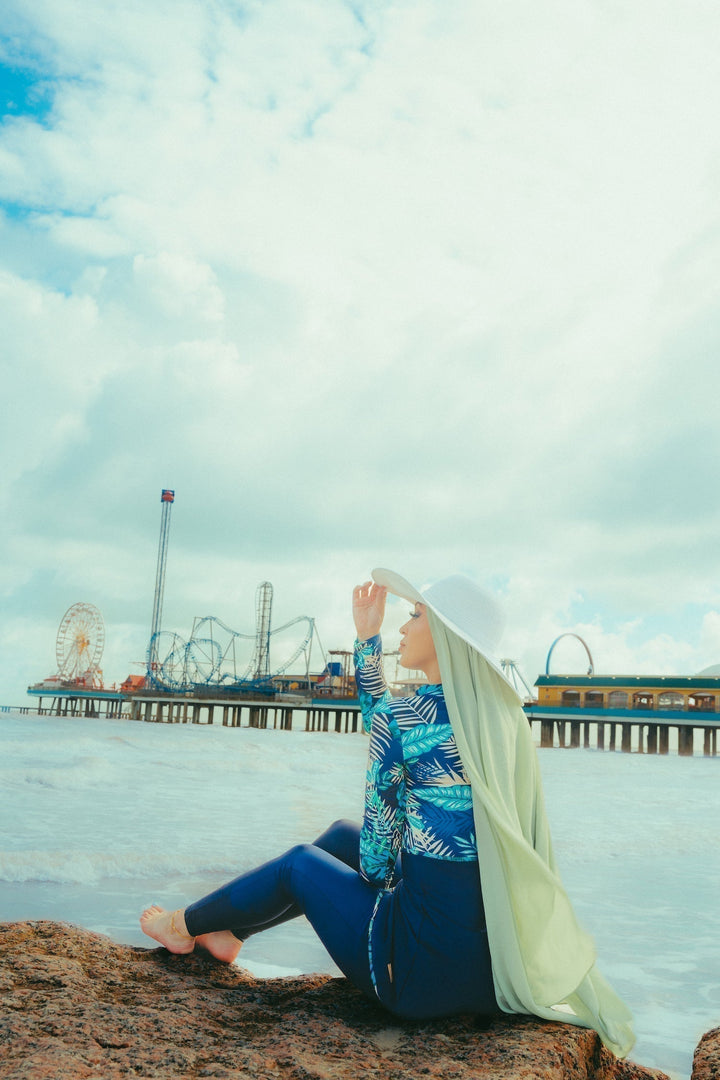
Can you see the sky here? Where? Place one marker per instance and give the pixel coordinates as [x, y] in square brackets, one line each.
[432, 285]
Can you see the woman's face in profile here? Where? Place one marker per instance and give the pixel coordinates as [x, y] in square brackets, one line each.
[417, 650]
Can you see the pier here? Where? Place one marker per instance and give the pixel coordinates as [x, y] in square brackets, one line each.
[229, 710]
[647, 733]
[318, 714]
[640, 731]
[632, 713]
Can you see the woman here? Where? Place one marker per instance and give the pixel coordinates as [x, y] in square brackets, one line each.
[399, 903]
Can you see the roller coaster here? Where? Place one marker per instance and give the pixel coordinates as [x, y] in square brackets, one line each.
[217, 657]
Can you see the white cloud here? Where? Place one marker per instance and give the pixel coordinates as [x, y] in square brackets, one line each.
[51, 372]
[177, 284]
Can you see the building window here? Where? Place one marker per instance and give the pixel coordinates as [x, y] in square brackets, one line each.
[594, 699]
[643, 700]
[617, 699]
[702, 703]
[671, 700]
[571, 697]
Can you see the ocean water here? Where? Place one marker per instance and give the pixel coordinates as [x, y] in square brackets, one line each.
[99, 818]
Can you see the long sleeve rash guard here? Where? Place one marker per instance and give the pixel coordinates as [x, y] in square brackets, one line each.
[417, 797]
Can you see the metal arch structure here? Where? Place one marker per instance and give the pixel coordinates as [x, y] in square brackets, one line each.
[80, 643]
[590, 670]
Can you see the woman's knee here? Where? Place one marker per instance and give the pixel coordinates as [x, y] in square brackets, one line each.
[300, 857]
[297, 853]
[340, 828]
[342, 840]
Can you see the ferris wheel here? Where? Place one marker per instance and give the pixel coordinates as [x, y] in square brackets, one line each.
[80, 642]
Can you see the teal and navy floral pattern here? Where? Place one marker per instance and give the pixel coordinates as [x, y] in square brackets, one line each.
[417, 797]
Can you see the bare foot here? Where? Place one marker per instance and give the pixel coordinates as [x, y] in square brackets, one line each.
[222, 944]
[168, 928]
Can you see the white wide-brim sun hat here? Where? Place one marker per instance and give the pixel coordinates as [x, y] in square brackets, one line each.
[464, 607]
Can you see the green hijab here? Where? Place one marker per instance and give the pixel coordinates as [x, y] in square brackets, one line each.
[543, 961]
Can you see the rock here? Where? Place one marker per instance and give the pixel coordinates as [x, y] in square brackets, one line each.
[706, 1062]
[76, 1006]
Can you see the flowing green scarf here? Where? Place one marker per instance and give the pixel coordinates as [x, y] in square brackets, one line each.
[543, 961]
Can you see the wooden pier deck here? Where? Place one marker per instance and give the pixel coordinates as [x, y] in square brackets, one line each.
[317, 714]
[644, 731]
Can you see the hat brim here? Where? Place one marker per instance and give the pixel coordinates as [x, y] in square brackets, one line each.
[397, 585]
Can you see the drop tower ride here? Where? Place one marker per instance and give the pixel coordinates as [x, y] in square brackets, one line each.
[167, 498]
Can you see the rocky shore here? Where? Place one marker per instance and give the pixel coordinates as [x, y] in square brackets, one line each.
[76, 1006]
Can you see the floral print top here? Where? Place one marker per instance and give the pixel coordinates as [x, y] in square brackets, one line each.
[417, 796]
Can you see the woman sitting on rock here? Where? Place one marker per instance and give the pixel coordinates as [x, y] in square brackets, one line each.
[447, 898]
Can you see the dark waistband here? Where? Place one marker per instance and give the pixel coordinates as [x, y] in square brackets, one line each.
[443, 888]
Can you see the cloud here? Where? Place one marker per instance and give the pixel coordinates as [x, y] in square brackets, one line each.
[177, 284]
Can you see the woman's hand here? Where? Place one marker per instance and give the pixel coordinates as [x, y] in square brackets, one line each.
[368, 609]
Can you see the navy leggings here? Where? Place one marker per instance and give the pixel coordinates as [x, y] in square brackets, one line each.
[429, 941]
[318, 880]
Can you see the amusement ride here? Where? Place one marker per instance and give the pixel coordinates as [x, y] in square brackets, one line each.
[215, 656]
[79, 646]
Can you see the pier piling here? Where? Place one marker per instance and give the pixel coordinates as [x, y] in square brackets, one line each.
[590, 729]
